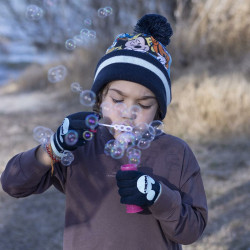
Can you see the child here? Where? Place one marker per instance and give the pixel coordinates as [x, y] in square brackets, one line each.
[168, 185]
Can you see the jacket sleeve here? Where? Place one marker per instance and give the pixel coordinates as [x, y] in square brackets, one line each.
[24, 176]
[182, 213]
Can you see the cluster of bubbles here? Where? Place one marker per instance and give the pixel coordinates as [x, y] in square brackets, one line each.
[131, 143]
[130, 139]
[71, 138]
[133, 138]
[104, 12]
[34, 12]
[87, 36]
[91, 121]
[84, 38]
[42, 135]
[57, 74]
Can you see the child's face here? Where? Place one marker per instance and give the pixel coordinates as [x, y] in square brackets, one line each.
[128, 94]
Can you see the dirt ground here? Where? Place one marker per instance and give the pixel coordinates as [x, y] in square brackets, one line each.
[36, 222]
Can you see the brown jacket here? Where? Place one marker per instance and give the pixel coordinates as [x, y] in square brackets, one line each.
[95, 219]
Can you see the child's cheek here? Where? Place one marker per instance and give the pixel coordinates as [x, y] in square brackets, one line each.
[146, 116]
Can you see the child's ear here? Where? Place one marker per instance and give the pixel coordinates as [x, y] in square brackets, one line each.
[158, 114]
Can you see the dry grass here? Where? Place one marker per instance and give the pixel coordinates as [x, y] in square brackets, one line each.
[211, 93]
[212, 28]
[210, 106]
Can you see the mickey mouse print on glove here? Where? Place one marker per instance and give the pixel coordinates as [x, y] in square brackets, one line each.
[76, 123]
[136, 188]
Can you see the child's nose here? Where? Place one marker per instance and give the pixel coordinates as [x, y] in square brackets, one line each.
[127, 114]
[132, 112]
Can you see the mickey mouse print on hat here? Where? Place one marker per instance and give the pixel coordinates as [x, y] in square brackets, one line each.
[140, 57]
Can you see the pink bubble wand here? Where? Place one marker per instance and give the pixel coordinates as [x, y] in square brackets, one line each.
[131, 209]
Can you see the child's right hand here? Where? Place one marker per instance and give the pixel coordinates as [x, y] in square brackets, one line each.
[75, 122]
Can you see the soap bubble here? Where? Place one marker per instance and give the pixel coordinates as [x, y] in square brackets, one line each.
[34, 13]
[135, 111]
[71, 137]
[106, 107]
[67, 158]
[87, 22]
[84, 33]
[102, 12]
[143, 143]
[149, 134]
[91, 121]
[120, 108]
[126, 139]
[92, 34]
[139, 130]
[117, 151]
[158, 127]
[134, 160]
[133, 151]
[87, 98]
[42, 134]
[87, 135]
[70, 44]
[88, 34]
[108, 11]
[109, 145]
[75, 87]
[134, 155]
[57, 74]
[78, 40]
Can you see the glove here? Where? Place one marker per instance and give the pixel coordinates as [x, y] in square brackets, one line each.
[136, 188]
[72, 133]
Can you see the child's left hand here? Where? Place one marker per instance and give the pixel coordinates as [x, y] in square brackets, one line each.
[136, 188]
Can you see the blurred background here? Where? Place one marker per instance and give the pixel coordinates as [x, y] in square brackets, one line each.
[210, 108]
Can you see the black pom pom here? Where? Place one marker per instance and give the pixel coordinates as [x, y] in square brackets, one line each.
[156, 26]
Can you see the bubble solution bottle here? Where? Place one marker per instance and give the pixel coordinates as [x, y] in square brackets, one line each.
[131, 209]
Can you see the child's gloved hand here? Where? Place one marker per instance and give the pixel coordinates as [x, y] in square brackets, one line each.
[76, 122]
[136, 188]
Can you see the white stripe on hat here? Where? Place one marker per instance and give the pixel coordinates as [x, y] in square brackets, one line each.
[140, 62]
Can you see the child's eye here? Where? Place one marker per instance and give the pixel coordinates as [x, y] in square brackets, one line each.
[116, 101]
[144, 106]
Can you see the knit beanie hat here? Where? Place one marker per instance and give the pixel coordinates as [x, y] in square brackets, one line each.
[140, 57]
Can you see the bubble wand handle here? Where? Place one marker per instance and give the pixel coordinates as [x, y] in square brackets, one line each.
[131, 209]
[118, 127]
